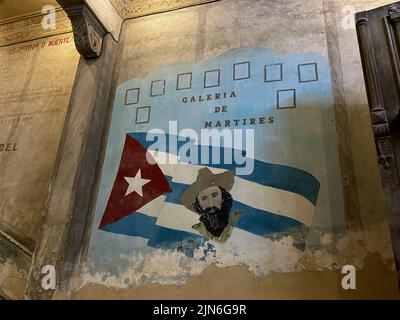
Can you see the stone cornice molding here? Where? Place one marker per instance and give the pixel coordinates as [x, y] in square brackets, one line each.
[90, 20]
[29, 27]
[129, 9]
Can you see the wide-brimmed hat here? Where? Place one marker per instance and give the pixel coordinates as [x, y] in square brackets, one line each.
[206, 179]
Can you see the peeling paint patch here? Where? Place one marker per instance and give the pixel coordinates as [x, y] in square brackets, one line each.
[172, 267]
[374, 281]
[12, 280]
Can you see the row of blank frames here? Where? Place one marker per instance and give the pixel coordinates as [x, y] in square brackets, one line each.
[286, 99]
[307, 72]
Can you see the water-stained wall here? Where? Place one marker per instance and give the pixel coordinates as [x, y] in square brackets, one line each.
[295, 67]
[34, 99]
[36, 79]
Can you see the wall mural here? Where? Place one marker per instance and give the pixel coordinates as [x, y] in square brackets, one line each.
[230, 161]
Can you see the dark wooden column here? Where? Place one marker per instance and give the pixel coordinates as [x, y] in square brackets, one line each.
[378, 35]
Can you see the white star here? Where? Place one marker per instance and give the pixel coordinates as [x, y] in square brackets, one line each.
[136, 184]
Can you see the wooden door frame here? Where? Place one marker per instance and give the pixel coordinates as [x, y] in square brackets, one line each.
[384, 97]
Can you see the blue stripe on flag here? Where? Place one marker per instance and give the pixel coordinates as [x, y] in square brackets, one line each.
[273, 175]
[144, 226]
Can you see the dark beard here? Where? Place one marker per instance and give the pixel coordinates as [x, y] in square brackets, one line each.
[217, 220]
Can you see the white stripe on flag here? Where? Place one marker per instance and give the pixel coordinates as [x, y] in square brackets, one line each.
[177, 217]
[277, 201]
[153, 208]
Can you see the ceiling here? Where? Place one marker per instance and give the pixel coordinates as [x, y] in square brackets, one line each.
[20, 20]
[136, 8]
[126, 8]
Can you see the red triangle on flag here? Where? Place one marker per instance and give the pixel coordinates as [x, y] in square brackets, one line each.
[139, 181]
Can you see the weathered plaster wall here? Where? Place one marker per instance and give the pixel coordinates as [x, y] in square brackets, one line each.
[372, 211]
[289, 26]
[374, 282]
[36, 79]
[368, 185]
[214, 29]
[67, 215]
[357, 235]
[14, 267]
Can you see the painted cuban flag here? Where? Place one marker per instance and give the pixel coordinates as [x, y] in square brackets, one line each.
[146, 198]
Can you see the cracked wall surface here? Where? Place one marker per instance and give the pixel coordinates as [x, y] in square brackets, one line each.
[36, 80]
[350, 225]
[359, 235]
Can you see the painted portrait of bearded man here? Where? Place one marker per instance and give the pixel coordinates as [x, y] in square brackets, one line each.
[209, 196]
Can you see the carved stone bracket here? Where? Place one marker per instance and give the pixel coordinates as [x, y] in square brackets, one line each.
[89, 32]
